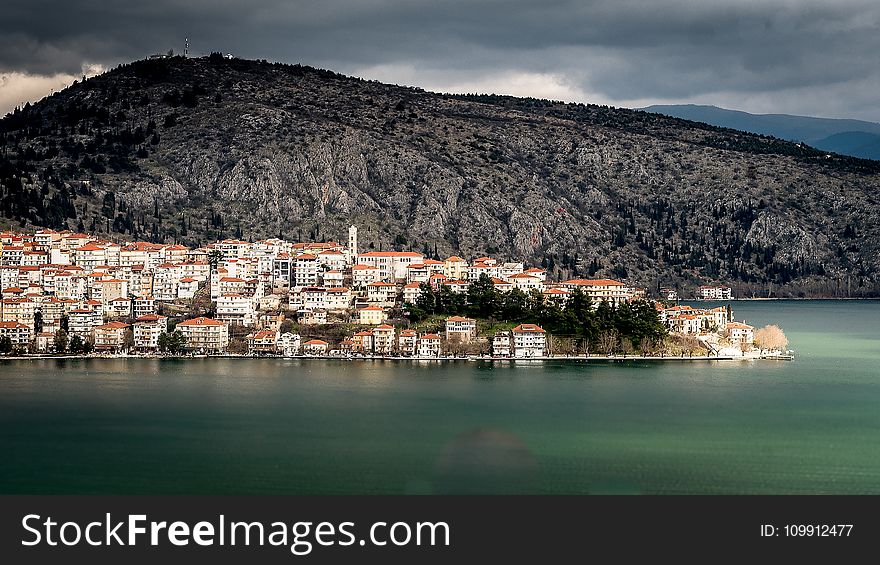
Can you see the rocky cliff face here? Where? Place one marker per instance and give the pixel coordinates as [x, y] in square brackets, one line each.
[195, 149]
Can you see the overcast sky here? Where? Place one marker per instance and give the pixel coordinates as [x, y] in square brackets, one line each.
[808, 57]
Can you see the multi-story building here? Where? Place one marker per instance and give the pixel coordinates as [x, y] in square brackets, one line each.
[187, 287]
[288, 344]
[411, 292]
[372, 315]
[383, 339]
[143, 306]
[362, 275]
[119, 307]
[332, 259]
[381, 293]
[558, 295]
[147, 329]
[362, 342]
[315, 347]
[205, 335]
[613, 292]
[526, 282]
[306, 270]
[19, 334]
[392, 265]
[429, 345]
[312, 317]
[236, 310]
[81, 322]
[313, 297]
[333, 278]
[282, 268]
[110, 336]
[338, 299]
[461, 330]
[407, 342]
[715, 293]
[455, 267]
[90, 256]
[742, 335]
[529, 340]
[501, 344]
[263, 342]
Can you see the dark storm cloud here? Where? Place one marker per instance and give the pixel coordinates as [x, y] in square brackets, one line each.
[792, 54]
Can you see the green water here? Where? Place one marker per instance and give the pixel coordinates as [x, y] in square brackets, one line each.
[246, 426]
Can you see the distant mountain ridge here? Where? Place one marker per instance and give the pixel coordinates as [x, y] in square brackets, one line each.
[856, 138]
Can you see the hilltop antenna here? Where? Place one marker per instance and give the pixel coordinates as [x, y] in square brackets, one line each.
[186, 47]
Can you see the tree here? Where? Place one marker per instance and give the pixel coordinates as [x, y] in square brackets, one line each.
[214, 257]
[162, 342]
[65, 323]
[38, 322]
[60, 341]
[5, 345]
[172, 343]
[483, 299]
[771, 337]
[608, 341]
[76, 345]
[128, 340]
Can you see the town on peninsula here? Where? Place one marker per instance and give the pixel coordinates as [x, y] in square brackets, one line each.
[67, 293]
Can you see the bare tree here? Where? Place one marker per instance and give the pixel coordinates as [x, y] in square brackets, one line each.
[771, 337]
[608, 342]
[646, 346]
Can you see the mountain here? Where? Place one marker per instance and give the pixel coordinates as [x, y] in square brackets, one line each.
[855, 143]
[848, 137]
[191, 150]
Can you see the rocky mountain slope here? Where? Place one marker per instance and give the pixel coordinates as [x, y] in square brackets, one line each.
[190, 150]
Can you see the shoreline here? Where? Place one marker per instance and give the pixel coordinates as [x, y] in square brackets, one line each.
[786, 298]
[469, 358]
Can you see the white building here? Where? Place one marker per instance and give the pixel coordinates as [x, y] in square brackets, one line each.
[82, 321]
[205, 335]
[460, 329]
[19, 334]
[529, 340]
[501, 344]
[147, 329]
[362, 275]
[392, 265]
[741, 335]
[351, 251]
[381, 293]
[411, 292]
[338, 299]
[407, 342]
[305, 270]
[715, 293]
[288, 344]
[607, 290]
[429, 345]
[236, 309]
[526, 282]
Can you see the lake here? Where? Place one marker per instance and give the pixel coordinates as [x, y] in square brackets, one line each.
[276, 426]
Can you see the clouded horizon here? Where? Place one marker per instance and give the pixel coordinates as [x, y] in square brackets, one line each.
[772, 56]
